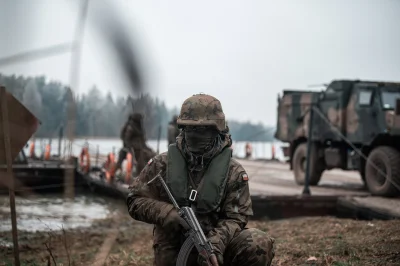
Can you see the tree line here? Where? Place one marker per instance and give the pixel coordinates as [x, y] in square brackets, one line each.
[101, 115]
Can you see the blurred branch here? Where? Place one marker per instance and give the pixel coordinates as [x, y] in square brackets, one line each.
[48, 247]
[66, 245]
[74, 82]
[37, 54]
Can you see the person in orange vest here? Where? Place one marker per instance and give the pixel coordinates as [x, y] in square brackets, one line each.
[47, 152]
[125, 137]
[248, 150]
[32, 153]
[272, 152]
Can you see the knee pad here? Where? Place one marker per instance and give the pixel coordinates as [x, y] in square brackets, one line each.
[262, 245]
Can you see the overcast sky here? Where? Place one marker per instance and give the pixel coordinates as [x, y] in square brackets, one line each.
[242, 52]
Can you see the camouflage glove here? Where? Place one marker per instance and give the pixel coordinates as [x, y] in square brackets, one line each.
[201, 261]
[173, 221]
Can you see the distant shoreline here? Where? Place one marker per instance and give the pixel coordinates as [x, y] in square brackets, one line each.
[152, 140]
[83, 138]
[95, 138]
[107, 138]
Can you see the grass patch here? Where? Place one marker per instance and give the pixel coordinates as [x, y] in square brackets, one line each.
[301, 241]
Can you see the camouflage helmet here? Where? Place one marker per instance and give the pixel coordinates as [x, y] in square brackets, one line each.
[202, 110]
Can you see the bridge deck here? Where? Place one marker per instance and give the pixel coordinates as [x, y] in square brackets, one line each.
[275, 182]
[272, 178]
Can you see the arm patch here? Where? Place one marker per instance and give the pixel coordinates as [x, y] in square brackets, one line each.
[245, 177]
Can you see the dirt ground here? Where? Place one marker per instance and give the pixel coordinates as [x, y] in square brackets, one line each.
[300, 241]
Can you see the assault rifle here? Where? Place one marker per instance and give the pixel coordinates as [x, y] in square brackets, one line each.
[194, 235]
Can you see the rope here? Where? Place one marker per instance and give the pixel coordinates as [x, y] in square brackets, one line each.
[37, 54]
[354, 147]
[41, 187]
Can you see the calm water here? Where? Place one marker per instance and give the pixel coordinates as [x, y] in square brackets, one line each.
[50, 212]
[261, 150]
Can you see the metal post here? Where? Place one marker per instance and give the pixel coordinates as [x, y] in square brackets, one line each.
[50, 141]
[60, 137]
[306, 190]
[158, 139]
[7, 149]
[97, 155]
[34, 147]
[41, 149]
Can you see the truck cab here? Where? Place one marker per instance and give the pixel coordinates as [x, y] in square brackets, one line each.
[352, 121]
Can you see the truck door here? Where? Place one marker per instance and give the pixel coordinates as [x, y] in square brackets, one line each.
[331, 107]
[366, 113]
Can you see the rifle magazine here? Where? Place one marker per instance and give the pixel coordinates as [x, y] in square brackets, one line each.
[184, 252]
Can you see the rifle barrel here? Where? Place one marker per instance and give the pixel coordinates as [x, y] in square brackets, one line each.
[171, 197]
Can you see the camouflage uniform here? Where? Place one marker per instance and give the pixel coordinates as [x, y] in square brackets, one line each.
[226, 227]
[173, 130]
[133, 137]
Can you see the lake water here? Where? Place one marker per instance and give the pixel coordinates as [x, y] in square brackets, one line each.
[52, 212]
[261, 150]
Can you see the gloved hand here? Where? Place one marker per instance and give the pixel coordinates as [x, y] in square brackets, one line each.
[173, 221]
[202, 261]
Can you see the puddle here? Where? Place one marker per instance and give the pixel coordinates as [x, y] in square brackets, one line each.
[51, 212]
[6, 244]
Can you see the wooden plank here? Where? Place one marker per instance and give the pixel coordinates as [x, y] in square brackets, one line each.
[16, 129]
[22, 125]
[8, 158]
[108, 243]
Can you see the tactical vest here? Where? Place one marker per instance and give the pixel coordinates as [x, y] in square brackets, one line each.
[210, 194]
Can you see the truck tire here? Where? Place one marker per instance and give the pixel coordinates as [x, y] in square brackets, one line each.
[362, 171]
[362, 177]
[387, 159]
[299, 165]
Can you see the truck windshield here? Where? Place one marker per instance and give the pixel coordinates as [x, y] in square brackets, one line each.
[389, 97]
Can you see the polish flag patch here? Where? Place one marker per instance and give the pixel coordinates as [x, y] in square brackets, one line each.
[150, 161]
[245, 177]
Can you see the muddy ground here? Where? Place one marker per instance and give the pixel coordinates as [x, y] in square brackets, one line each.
[300, 241]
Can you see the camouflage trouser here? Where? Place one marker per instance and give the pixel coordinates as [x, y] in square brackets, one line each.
[141, 161]
[121, 158]
[250, 247]
[140, 157]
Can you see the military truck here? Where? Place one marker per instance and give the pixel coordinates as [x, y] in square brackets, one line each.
[353, 122]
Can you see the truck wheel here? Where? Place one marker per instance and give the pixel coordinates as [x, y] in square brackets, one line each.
[387, 159]
[362, 171]
[300, 162]
[362, 176]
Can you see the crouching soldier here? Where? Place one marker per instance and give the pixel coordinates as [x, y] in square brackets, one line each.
[201, 160]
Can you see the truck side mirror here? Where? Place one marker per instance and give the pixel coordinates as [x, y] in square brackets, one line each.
[397, 108]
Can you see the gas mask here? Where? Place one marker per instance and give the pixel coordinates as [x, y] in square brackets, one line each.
[200, 139]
